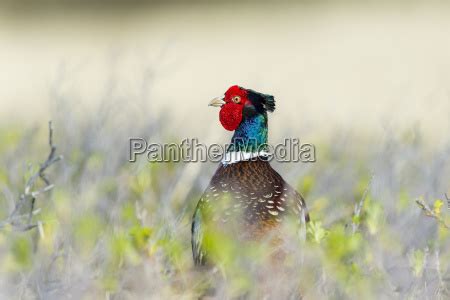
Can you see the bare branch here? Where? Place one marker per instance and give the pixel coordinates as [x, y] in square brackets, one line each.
[430, 213]
[29, 195]
[448, 200]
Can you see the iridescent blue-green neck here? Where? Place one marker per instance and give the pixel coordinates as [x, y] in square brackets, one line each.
[251, 135]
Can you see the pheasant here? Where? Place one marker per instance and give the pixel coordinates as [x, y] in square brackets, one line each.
[246, 197]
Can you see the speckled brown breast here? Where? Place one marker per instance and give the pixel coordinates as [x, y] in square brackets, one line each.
[249, 197]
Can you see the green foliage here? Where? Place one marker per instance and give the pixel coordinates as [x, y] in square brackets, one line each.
[316, 232]
[417, 262]
[122, 250]
[141, 182]
[21, 249]
[95, 161]
[9, 137]
[361, 187]
[403, 201]
[306, 185]
[373, 214]
[341, 246]
[113, 229]
[140, 236]
[87, 230]
[437, 206]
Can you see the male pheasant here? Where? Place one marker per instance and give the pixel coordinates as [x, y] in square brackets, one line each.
[246, 198]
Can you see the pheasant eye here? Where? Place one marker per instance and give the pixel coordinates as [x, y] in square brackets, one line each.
[236, 99]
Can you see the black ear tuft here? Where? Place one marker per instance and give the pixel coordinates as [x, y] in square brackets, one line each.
[261, 101]
[269, 102]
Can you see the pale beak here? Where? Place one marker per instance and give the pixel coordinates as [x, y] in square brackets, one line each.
[217, 102]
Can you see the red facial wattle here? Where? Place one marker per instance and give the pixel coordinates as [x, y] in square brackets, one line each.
[231, 115]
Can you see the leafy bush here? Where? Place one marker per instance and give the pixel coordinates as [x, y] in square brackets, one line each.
[120, 229]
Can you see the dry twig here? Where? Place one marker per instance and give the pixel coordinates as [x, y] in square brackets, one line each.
[430, 213]
[448, 200]
[22, 222]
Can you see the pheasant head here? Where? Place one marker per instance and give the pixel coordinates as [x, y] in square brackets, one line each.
[244, 111]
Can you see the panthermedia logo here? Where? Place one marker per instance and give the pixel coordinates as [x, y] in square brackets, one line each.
[191, 150]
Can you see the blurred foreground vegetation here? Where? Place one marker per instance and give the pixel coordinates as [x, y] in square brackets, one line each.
[121, 230]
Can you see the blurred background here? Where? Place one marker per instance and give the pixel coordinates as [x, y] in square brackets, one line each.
[328, 63]
[367, 84]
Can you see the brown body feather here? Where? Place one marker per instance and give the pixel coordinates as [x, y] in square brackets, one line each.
[247, 199]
